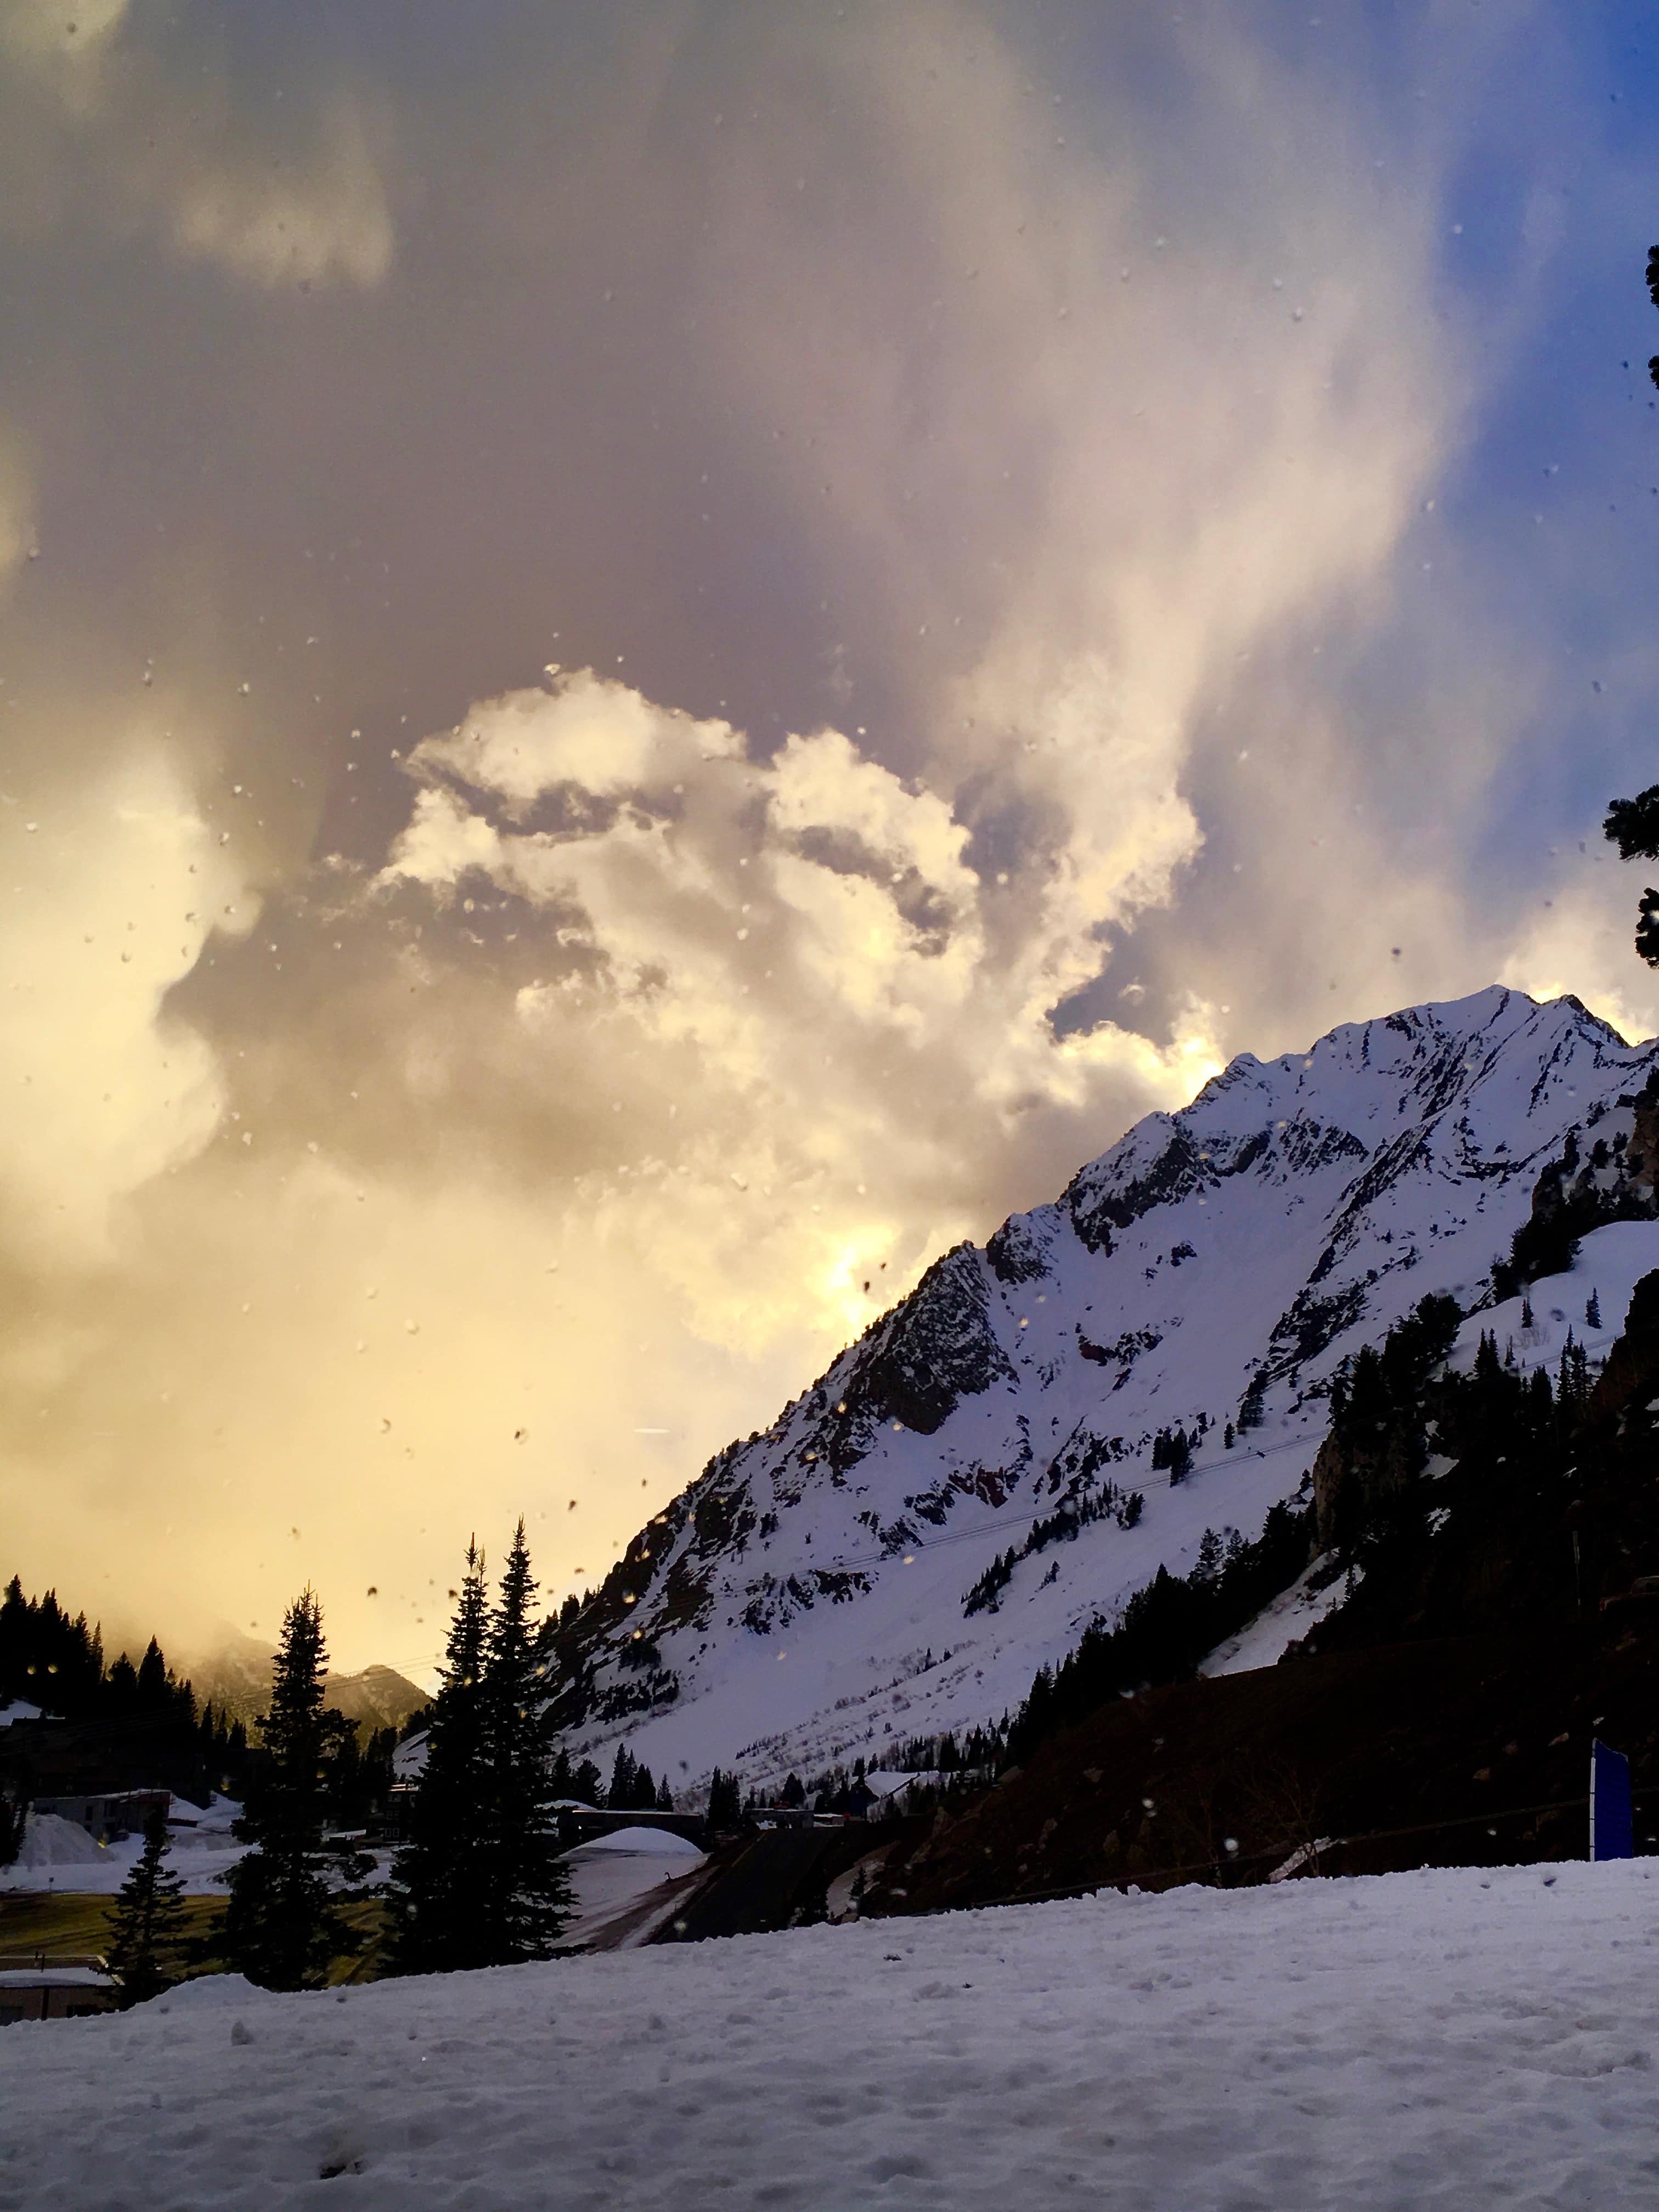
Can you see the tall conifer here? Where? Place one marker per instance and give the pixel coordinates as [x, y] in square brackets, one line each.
[281, 1927]
[146, 1929]
[526, 1889]
[436, 1902]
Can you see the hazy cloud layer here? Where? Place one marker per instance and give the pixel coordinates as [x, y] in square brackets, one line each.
[674, 659]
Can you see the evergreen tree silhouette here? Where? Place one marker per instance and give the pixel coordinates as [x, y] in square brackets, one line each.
[147, 1929]
[154, 1691]
[525, 1888]
[435, 1905]
[620, 1795]
[281, 1928]
[724, 1806]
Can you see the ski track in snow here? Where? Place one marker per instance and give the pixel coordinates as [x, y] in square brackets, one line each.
[1463, 2038]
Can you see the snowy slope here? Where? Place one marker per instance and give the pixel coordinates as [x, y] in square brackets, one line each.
[804, 1599]
[1463, 2038]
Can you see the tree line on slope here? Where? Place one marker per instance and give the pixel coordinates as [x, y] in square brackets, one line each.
[55, 1661]
[1496, 1500]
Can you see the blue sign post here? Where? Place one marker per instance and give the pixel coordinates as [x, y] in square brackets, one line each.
[1613, 1832]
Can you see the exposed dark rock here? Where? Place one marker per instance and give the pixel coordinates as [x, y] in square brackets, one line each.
[934, 1349]
[1015, 1253]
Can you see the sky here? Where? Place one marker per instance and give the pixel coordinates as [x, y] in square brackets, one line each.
[655, 660]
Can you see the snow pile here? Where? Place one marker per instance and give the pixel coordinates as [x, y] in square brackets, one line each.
[50, 1841]
[646, 1842]
[220, 1817]
[211, 1993]
[19, 1709]
[1478, 2042]
[71, 1862]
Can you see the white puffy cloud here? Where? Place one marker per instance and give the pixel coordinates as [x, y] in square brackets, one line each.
[809, 910]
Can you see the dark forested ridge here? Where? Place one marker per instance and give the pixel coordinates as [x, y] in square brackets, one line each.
[1492, 1538]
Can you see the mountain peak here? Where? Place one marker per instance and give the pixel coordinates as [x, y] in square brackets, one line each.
[805, 1598]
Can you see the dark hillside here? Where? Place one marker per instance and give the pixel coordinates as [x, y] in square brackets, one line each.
[1501, 1536]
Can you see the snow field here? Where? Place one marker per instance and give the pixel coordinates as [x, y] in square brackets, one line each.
[1462, 2039]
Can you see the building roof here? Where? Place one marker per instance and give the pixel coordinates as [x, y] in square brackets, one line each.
[54, 1977]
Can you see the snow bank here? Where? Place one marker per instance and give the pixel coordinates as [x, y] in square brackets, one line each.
[651, 1842]
[211, 1993]
[1461, 2041]
[50, 1840]
[201, 1855]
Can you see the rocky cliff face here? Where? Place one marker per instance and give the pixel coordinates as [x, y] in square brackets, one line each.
[805, 1598]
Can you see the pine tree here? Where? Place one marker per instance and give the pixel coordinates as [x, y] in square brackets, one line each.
[664, 1796]
[281, 1927]
[525, 1888]
[620, 1795]
[153, 1687]
[588, 1783]
[725, 1807]
[146, 1929]
[1593, 1311]
[435, 1902]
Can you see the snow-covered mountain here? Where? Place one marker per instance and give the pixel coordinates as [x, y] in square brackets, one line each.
[812, 1595]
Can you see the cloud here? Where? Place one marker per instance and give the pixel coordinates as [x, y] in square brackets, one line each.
[102, 125]
[330, 223]
[1578, 938]
[777, 916]
[16, 511]
[45, 35]
[115, 885]
[1005, 456]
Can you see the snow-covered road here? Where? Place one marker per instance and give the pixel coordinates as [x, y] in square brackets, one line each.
[1461, 2040]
